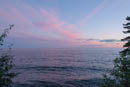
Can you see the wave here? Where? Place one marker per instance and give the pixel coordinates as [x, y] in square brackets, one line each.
[62, 68]
[73, 83]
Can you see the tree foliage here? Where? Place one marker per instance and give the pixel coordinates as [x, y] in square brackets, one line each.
[6, 62]
[120, 75]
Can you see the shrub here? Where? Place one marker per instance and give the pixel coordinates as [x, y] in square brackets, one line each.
[120, 75]
[6, 62]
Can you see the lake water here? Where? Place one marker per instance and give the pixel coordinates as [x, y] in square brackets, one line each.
[62, 67]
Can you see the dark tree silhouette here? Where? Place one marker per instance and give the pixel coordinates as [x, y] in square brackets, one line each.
[6, 62]
[120, 75]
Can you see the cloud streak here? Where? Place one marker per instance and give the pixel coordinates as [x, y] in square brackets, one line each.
[94, 12]
[32, 24]
[60, 27]
[110, 40]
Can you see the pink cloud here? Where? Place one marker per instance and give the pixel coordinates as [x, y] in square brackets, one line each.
[113, 45]
[19, 16]
[3, 13]
[49, 21]
[53, 23]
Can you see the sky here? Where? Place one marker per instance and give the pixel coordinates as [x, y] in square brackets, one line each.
[64, 23]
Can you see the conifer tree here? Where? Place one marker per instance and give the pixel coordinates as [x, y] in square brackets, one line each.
[120, 75]
[6, 63]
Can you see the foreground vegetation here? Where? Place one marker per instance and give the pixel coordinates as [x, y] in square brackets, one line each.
[6, 62]
[120, 75]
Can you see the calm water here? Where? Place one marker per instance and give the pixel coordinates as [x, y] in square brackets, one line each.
[66, 67]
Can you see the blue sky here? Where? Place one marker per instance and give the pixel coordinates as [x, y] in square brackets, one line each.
[64, 23]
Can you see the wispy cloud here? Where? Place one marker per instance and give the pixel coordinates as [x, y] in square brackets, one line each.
[53, 23]
[94, 12]
[110, 40]
[31, 24]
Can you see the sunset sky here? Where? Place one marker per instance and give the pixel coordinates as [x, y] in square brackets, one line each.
[64, 23]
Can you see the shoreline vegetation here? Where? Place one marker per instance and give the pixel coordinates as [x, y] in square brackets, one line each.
[119, 76]
[6, 62]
